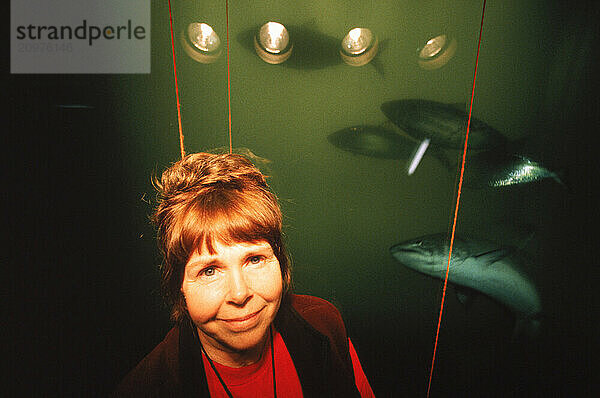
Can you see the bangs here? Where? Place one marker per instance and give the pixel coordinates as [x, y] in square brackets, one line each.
[228, 217]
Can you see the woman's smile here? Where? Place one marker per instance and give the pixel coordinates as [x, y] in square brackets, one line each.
[243, 323]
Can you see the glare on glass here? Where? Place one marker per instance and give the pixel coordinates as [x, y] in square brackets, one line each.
[433, 47]
[274, 37]
[357, 41]
[436, 52]
[203, 37]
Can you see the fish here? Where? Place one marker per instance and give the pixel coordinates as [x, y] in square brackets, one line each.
[481, 266]
[497, 170]
[373, 141]
[444, 124]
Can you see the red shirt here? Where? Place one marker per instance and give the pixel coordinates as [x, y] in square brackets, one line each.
[256, 380]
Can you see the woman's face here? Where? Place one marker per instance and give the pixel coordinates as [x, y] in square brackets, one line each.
[233, 296]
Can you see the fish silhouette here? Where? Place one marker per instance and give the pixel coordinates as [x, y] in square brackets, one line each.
[445, 125]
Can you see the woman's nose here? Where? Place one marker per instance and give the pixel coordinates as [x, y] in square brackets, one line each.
[239, 292]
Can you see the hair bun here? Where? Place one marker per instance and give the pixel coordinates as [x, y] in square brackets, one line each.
[203, 170]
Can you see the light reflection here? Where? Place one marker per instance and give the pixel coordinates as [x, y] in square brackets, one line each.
[418, 156]
[433, 47]
[274, 37]
[437, 52]
[272, 44]
[357, 41]
[359, 47]
[202, 43]
[203, 37]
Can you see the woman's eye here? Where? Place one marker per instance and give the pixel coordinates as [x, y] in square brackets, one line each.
[210, 271]
[255, 259]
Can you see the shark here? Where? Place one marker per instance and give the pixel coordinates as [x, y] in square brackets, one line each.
[373, 141]
[477, 265]
[444, 124]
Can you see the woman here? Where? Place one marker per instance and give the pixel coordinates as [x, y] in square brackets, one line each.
[239, 332]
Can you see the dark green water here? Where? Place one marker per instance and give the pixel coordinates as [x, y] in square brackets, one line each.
[83, 282]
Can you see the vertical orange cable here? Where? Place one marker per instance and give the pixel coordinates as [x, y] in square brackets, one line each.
[228, 80]
[462, 170]
[176, 87]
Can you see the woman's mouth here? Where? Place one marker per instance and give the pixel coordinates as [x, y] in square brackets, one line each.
[244, 322]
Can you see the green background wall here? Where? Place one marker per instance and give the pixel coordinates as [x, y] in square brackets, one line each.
[82, 265]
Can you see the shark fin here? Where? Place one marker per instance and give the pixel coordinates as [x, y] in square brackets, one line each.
[562, 177]
[388, 125]
[493, 255]
[465, 295]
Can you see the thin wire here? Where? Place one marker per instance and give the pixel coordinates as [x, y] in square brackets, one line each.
[176, 87]
[462, 170]
[228, 80]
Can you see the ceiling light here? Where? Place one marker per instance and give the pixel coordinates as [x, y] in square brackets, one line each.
[202, 43]
[359, 47]
[436, 52]
[272, 43]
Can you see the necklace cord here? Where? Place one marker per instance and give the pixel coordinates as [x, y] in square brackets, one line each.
[212, 365]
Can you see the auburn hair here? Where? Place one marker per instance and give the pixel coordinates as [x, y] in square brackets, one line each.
[205, 198]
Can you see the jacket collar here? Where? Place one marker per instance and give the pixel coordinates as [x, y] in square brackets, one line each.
[192, 375]
[308, 348]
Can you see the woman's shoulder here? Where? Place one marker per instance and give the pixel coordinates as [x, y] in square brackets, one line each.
[307, 304]
[322, 315]
[326, 319]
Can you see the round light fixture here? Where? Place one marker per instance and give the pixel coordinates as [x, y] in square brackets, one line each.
[202, 43]
[272, 43]
[359, 47]
[436, 52]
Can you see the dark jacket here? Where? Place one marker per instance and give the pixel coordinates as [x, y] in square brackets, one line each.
[313, 332]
